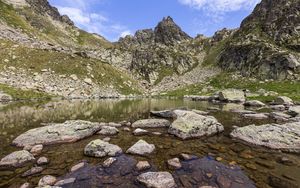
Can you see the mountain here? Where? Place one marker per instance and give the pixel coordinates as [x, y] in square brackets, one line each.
[267, 45]
[45, 51]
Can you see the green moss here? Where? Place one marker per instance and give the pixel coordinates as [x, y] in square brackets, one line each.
[19, 94]
[164, 71]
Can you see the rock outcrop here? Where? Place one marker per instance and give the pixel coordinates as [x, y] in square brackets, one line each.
[70, 131]
[192, 125]
[284, 137]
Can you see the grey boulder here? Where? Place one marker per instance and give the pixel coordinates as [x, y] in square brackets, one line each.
[70, 131]
[99, 148]
[17, 159]
[192, 125]
[141, 148]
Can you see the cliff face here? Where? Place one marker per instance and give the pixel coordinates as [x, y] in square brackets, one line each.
[267, 44]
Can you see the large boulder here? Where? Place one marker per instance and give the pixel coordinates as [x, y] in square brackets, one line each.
[99, 148]
[151, 123]
[232, 95]
[192, 125]
[141, 148]
[157, 180]
[284, 137]
[17, 159]
[294, 111]
[70, 131]
[283, 100]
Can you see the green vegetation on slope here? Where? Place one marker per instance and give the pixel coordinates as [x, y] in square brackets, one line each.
[35, 60]
[225, 81]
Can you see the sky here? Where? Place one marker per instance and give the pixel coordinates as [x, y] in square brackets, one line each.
[117, 18]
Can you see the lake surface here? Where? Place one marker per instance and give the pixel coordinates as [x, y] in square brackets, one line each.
[257, 162]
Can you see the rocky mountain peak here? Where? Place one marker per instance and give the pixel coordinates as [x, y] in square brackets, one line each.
[43, 7]
[168, 32]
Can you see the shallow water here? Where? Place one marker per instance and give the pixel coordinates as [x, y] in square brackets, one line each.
[258, 163]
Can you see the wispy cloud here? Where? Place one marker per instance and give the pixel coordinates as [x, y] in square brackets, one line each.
[220, 6]
[81, 12]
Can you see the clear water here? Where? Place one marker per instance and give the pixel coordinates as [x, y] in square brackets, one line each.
[257, 162]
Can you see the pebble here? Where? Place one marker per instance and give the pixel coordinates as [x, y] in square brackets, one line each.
[143, 165]
[174, 164]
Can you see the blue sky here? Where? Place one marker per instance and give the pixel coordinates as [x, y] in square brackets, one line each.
[115, 18]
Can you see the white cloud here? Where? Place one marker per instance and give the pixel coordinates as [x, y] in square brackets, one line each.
[81, 12]
[220, 6]
[125, 33]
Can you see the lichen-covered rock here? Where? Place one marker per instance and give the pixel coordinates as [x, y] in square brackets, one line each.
[232, 95]
[107, 130]
[70, 131]
[141, 148]
[99, 148]
[17, 159]
[151, 123]
[191, 125]
[157, 180]
[284, 137]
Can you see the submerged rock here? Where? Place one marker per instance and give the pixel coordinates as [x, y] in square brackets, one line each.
[70, 131]
[192, 125]
[140, 132]
[107, 130]
[163, 113]
[99, 148]
[141, 148]
[151, 123]
[17, 159]
[33, 171]
[157, 180]
[232, 95]
[283, 137]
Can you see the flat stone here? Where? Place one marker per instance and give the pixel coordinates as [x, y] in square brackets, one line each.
[141, 148]
[143, 165]
[108, 162]
[191, 125]
[99, 148]
[174, 164]
[77, 167]
[256, 116]
[70, 131]
[47, 180]
[42, 161]
[17, 159]
[33, 171]
[157, 180]
[107, 130]
[151, 123]
[65, 182]
[284, 137]
[163, 113]
[140, 132]
[254, 103]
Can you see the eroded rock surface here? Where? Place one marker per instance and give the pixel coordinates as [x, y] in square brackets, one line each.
[192, 125]
[70, 131]
[284, 137]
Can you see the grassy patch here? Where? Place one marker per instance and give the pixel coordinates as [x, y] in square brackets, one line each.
[35, 60]
[19, 94]
[225, 81]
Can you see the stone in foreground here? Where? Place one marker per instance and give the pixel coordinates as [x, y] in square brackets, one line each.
[70, 131]
[232, 95]
[151, 123]
[141, 148]
[17, 159]
[99, 148]
[107, 130]
[191, 125]
[157, 180]
[284, 137]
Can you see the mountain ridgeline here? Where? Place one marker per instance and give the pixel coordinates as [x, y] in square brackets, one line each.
[266, 46]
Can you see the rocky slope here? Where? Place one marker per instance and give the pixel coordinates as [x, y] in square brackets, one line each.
[267, 44]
